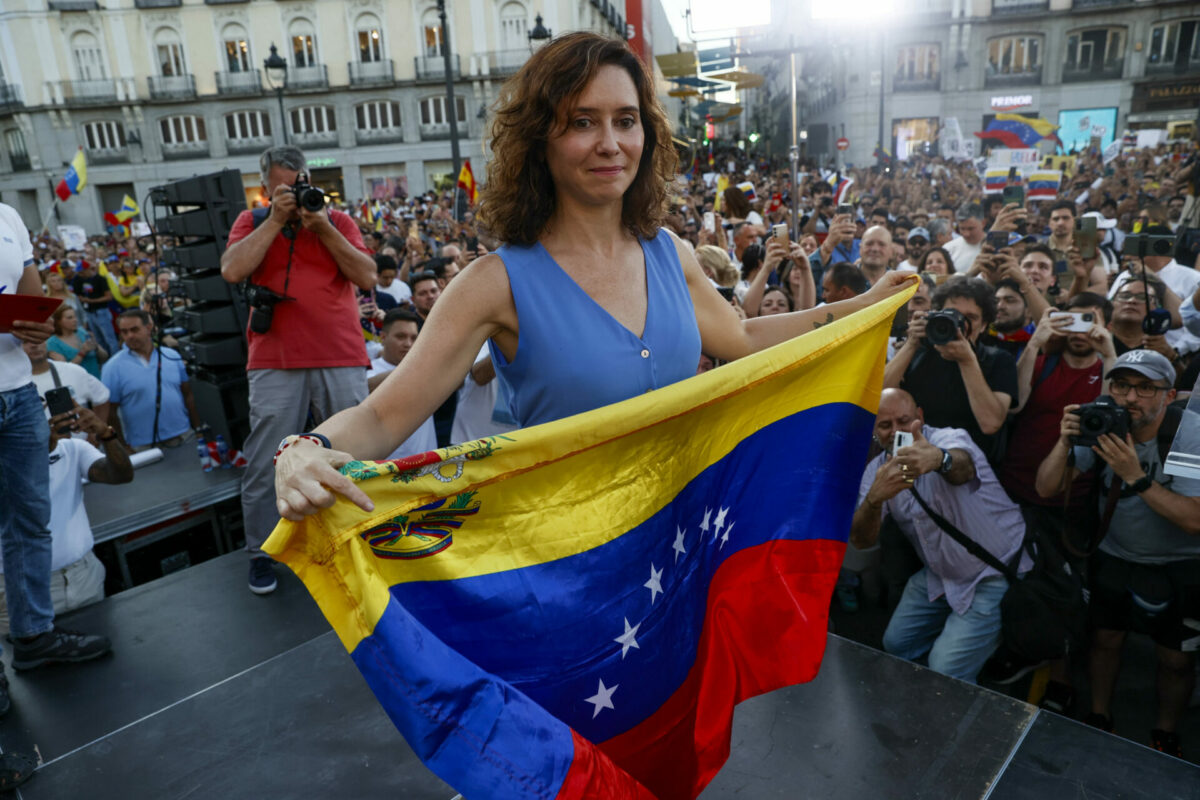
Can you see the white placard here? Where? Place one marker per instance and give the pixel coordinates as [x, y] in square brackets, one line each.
[140, 228]
[73, 237]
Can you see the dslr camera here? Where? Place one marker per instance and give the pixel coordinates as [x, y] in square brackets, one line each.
[942, 327]
[1143, 244]
[262, 306]
[1156, 322]
[308, 197]
[1099, 417]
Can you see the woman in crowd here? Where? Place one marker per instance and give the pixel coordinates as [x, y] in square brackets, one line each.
[937, 261]
[716, 265]
[737, 207]
[56, 286]
[774, 301]
[71, 342]
[577, 189]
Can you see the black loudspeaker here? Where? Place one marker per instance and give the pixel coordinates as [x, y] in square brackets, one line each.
[199, 212]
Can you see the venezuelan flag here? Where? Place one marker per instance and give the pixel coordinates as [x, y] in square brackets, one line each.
[994, 181]
[1043, 185]
[128, 210]
[466, 182]
[75, 179]
[1017, 132]
[573, 610]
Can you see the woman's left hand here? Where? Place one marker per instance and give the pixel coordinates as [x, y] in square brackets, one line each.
[776, 253]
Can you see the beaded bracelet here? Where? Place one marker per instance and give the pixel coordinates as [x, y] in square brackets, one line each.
[316, 438]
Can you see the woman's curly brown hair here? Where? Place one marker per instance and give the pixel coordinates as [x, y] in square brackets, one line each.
[519, 199]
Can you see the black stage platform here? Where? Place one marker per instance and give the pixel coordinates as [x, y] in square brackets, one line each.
[215, 693]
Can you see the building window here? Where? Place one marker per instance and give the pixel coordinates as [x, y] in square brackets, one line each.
[1014, 55]
[918, 62]
[104, 135]
[381, 115]
[247, 125]
[431, 34]
[304, 43]
[1168, 39]
[433, 110]
[185, 129]
[1094, 49]
[88, 57]
[169, 51]
[237, 48]
[370, 39]
[313, 119]
[14, 140]
[514, 26]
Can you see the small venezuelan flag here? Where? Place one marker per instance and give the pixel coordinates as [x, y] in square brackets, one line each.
[75, 179]
[1043, 185]
[994, 181]
[573, 610]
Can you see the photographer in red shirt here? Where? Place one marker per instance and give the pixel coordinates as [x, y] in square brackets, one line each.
[302, 261]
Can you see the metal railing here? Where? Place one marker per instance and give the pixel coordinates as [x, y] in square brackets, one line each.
[234, 83]
[157, 3]
[1172, 67]
[430, 67]
[20, 162]
[372, 73]
[506, 62]
[172, 87]
[176, 152]
[313, 77]
[248, 146]
[1005, 8]
[379, 136]
[108, 155]
[993, 78]
[437, 131]
[916, 84]
[1109, 71]
[89, 92]
[10, 96]
[316, 140]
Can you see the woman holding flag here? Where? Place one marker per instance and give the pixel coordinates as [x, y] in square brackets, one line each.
[589, 302]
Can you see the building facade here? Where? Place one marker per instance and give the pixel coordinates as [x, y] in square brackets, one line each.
[1094, 67]
[158, 90]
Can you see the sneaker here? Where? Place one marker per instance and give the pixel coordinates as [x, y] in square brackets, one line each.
[58, 646]
[1166, 742]
[1101, 721]
[262, 575]
[1004, 667]
[1059, 698]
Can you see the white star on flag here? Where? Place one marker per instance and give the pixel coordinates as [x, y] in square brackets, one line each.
[704, 524]
[725, 535]
[678, 546]
[602, 699]
[720, 523]
[627, 639]
[655, 583]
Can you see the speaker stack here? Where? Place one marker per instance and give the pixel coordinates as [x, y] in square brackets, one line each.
[198, 214]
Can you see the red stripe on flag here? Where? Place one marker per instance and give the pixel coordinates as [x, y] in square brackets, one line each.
[765, 628]
[593, 776]
[62, 190]
[1006, 138]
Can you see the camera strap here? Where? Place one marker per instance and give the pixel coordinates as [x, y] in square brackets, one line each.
[970, 545]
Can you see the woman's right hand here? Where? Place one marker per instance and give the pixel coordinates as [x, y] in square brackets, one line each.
[891, 283]
[306, 477]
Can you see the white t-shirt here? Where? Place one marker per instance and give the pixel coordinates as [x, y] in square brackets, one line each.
[962, 254]
[85, 388]
[16, 251]
[424, 438]
[70, 531]
[399, 290]
[473, 415]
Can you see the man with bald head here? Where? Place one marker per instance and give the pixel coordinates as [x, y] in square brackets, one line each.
[875, 253]
[950, 609]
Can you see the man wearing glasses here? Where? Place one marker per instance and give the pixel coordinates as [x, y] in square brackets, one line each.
[1145, 574]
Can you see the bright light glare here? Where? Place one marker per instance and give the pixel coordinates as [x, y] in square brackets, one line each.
[853, 10]
[721, 15]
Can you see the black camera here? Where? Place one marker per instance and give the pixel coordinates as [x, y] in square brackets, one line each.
[1157, 322]
[1098, 418]
[1144, 244]
[942, 327]
[262, 306]
[310, 198]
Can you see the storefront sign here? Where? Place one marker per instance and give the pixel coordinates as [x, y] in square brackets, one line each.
[318, 163]
[1166, 94]
[1009, 102]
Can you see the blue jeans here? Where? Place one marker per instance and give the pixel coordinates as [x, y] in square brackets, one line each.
[25, 512]
[957, 644]
[100, 323]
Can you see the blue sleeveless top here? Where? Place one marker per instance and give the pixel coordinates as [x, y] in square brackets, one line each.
[573, 356]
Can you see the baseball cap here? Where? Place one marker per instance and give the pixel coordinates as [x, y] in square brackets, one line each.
[1101, 222]
[918, 231]
[1149, 363]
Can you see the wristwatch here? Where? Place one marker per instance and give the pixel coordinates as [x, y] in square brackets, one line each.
[1141, 484]
[947, 462]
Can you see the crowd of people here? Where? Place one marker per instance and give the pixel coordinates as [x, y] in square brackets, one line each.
[1018, 321]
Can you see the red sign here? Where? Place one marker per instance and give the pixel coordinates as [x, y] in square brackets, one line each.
[843, 143]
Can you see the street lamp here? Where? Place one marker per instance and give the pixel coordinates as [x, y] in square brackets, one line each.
[451, 109]
[276, 69]
[540, 33]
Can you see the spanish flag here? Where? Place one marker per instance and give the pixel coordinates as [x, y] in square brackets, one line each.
[466, 182]
[75, 179]
[573, 610]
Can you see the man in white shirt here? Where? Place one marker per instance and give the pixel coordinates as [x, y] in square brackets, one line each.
[86, 389]
[77, 576]
[387, 269]
[965, 249]
[481, 410]
[400, 329]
